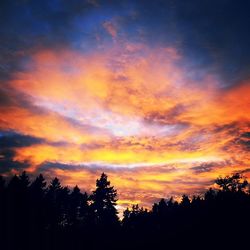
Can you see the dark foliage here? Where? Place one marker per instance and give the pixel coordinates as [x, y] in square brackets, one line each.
[34, 215]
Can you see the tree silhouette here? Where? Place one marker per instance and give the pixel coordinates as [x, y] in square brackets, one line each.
[37, 211]
[33, 215]
[17, 209]
[104, 202]
[185, 202]
[53, 205]
[2, 209]
[234, 183]
[160, 208]
[24, 181]
[78, 206]
[38, 187]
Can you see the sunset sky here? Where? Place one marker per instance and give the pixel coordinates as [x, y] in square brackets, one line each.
[156, 94]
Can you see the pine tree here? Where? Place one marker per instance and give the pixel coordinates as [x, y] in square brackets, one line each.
[38, 186]
[52, 202]
[37, 210]
[104, 202]
[78, 205]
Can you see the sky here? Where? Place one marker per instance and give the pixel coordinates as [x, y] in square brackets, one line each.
[156, 94]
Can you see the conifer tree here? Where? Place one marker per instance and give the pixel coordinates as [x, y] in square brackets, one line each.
[104, 202]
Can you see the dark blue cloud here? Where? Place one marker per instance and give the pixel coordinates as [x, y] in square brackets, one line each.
[9, 141]
[204, 168]
[245, 135]
[9, 98]
[8, 163]
[47, 166]
[209, 166]
[212, 35]
[27, 25]
[57, 165]
[244, 141]
[14, 140]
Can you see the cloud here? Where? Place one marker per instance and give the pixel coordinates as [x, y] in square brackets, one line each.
[28, 26]
[191, 27]
[247, 170]
[9, 142]
[209, 166]
[110, 28]
[245, 135]
[137, 116]
[188, 26]
[240, 142]
[142, 184]
[13, 140]
[9, 164]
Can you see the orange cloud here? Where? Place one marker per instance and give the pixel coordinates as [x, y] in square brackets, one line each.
[133, 112]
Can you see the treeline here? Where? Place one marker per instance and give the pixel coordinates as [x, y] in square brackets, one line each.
[37, 215]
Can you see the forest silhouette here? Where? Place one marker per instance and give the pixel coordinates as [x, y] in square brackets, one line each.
[47, 216]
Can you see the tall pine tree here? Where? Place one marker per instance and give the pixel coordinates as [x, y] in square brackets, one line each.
[104, 202]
